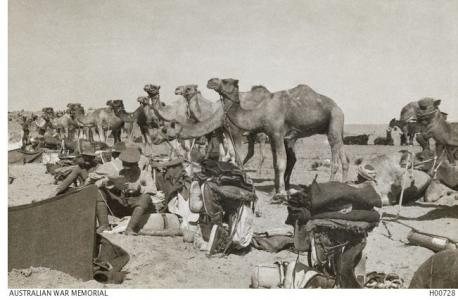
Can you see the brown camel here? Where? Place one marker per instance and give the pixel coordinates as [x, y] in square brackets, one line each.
[146, 117]
[100, 121]
[444, 133]
[67, 125]
[410, 127]
[200, 108]
[284, 116]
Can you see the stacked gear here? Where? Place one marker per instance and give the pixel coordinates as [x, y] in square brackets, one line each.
[331, 222]
[226, 211]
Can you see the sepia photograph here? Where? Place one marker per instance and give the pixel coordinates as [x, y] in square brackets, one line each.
[214, 144]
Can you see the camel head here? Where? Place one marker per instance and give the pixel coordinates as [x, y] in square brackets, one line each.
[227, 88]
[395, 123]
[116, 105]
[48, 113]
[179, 90]
[187, 91]
[75, 109]
[223, 85]
[427, 109]
[143, 100]
[151, 89]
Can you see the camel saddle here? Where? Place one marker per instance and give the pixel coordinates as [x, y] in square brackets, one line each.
[223, 173]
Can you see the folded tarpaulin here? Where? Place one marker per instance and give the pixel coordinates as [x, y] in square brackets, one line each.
[440, 271]
[57, 233]
[22, 157]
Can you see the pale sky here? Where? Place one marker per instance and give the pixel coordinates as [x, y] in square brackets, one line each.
[371, 57]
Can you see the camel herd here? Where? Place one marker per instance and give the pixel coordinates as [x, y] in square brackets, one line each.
[257, 115]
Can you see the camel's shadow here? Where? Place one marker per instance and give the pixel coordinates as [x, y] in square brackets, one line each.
[441, 212]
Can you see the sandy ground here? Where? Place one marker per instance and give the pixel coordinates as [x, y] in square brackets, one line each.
[168, 262]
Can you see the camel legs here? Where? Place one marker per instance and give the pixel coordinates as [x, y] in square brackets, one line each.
[251, 142]
[262, 142]
[92, 132]
[423, 140]
[279, 162]
[117, 134]
[335, 138]
[290, 160]
[101, 132]
[222, 148]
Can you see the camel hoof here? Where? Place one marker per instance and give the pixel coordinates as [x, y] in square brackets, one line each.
[279, 198]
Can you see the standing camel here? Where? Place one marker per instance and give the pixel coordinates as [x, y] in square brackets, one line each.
[284, 116]
[100, 121]
[182, 112]
[146, 118]
[67, 125]
[200, 109]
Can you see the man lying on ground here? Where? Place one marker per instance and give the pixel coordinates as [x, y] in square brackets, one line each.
[87, 163]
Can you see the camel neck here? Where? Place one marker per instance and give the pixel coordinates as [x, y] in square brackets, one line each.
[242, 118]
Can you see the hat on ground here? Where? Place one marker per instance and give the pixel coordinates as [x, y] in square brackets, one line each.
[119, 147]
[130, 155]
[367, 172]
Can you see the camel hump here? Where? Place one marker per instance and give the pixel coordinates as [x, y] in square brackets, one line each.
[302, 88]
[259, 88]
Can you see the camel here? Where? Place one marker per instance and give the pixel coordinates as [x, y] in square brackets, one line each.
[128, 118]
[146, 117]
[408, 130]
[390, 177]
[66, 125]
[409, 125]
[177, 112]
[361, 139]
[284, 116]
[102, 119]
[439, 167]
[388, 140]
[200, 109]
[445, 134]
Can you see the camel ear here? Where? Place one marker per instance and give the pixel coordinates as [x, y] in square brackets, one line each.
[437, 103]
[158, 87]
[109, 102]
[236, 82]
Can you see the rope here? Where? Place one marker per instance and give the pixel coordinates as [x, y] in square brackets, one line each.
[416, 230]
[403, 184]
[170, 145]
[103, 198]
[439, 164]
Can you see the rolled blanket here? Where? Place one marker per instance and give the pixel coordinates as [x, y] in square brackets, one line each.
[334, 194]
